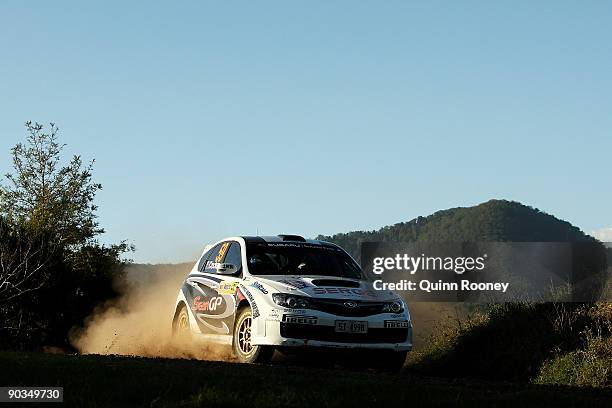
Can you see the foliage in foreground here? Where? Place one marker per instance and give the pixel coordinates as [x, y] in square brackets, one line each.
[591, 364]
[123, 382]
[549, 343]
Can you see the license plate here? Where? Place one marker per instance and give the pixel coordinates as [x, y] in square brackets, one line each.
[351, 326]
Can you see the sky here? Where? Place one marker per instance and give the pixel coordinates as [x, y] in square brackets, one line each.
[215, 119]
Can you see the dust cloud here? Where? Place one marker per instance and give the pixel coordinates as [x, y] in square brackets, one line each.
[139, 322]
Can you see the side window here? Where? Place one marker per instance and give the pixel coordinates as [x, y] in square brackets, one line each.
[233, 255]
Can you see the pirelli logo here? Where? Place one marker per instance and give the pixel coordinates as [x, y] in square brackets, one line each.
[297, 319]
[396, 324]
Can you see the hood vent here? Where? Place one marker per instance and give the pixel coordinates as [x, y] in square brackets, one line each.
[287, 237]
[335, 283]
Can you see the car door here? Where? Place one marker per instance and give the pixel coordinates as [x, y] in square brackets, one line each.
[211, 294]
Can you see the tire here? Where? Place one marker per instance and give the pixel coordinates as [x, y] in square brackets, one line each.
[243, 349]
[181, 328]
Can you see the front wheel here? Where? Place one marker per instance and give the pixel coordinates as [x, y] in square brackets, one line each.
[243, 348]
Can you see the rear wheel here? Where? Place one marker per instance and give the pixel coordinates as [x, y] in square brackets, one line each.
[180, 326]
[243, 348]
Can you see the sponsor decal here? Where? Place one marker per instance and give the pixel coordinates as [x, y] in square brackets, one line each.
[227, 287]
[214, 265]
[260, 287]
[294, 284]
[274, 315]
[206, 305]
[297, 311]
[209, 306]
[254, 308]
[344, 291]
[303, 245]
[297, 319]
[218, 303]
[396, 324]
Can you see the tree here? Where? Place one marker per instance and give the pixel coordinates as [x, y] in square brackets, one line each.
[49, 198]
[49, 254]
[24, 261]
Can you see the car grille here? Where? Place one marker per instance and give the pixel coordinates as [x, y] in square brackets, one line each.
[328, 333]
[339, 308]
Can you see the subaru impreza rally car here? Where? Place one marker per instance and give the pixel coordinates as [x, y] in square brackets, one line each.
[258, 294]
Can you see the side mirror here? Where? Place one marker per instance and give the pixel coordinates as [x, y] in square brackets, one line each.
[226, 269]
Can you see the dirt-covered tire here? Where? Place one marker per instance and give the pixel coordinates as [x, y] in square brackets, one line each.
[242, 347]
[180, 325]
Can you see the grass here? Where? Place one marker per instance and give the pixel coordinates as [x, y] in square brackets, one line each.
[591, 363]
[506, 342]
[547, 343]
[589, 367]
[113, 381]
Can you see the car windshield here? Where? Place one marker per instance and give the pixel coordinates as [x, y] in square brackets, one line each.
[283, 258]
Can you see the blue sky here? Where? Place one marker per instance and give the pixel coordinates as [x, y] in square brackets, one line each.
[209, 119]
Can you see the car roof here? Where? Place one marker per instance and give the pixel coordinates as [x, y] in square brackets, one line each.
[285, 238]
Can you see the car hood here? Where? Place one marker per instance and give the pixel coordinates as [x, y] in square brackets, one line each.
[326, 287]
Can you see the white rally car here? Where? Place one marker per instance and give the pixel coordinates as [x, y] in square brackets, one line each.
[258, 294]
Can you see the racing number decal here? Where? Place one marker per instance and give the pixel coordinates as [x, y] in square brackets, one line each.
[222, 251]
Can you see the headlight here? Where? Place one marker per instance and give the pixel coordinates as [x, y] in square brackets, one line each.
[394, 307]
[290, 301]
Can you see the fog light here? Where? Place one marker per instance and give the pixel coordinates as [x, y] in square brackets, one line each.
[393, 307]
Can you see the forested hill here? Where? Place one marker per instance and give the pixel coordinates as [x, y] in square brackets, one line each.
[495, 220]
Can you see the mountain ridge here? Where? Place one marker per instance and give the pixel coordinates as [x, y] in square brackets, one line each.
[493, 220]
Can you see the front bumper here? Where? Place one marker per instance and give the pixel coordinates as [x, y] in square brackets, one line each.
[318, 330]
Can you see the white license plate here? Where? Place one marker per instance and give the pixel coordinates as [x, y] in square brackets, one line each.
[351, 326]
